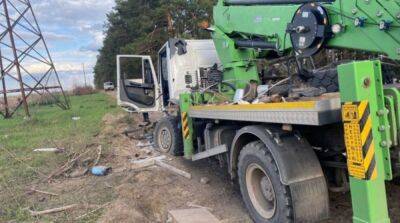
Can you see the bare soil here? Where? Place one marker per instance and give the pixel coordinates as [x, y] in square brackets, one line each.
[146, 195]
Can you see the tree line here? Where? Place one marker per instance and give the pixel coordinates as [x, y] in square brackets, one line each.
[143, 26]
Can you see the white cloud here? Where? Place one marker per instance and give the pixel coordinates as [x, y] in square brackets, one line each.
[76, 21]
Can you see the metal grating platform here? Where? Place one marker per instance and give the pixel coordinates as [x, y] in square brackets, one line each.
[316, 113]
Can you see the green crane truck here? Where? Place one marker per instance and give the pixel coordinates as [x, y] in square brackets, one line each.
[296, 97]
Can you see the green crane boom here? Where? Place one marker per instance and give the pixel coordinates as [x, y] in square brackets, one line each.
[243, 28]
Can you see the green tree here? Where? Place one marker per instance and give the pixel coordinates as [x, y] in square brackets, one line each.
[143, 26]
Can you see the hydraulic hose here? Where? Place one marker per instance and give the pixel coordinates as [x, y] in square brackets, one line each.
[256, 44]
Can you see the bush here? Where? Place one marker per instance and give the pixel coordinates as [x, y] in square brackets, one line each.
[82, 90]
[45, 99]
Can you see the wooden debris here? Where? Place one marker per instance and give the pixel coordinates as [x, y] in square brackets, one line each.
[67, 166]
[193, 205]
[143, 145]
[173, 169]
[93, 211]
[99, 148]
[195, 215]
[51, 150]
[43, 192]
[138, 164]
[53, 210]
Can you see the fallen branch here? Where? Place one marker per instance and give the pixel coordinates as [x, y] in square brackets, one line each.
[43, 192]
[53, 150]
[67, 166]
[54, 210]
[93, 211]
[98, 155]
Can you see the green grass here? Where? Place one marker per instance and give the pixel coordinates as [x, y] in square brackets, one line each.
[51, 123]
[49, 127]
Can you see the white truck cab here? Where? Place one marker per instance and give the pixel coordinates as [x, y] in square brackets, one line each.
[142, 88]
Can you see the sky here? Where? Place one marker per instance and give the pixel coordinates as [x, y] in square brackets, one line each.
[73, 30]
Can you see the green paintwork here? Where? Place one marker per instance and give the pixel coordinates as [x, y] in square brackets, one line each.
[389, 103]
[368, 197]
[270, 22]
[185, 103]
[239, 64]
[395, 94]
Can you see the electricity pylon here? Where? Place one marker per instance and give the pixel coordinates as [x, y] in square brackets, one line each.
[25, 62]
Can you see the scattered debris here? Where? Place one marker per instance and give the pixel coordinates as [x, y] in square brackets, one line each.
[192, 205]
[53, 210]
[53, 150]
[64, 168]
[80, 172]
[147, 151]
[194, 215]
[131, 130]
[144, 145]
[159, 162]
[173, 169]
[138, 164]
[33, 190]
[68, 165]
[100, 170]
[93, 211]
[99, 149]
[205, 180]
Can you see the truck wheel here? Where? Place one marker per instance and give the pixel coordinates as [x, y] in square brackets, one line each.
[168, 136]
[266, 198]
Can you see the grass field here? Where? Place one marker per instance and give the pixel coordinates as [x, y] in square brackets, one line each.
[20, 167]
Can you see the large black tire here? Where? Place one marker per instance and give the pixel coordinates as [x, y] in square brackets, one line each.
[256, 162]
[168, 136]
[327, 79]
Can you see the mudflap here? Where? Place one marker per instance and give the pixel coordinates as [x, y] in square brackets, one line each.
[299, 169]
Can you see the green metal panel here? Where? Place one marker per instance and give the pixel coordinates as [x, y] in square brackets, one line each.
[363, 81]
[395, 94]
[270, 22]
[187, 125]
[239, 64]
[389, 102]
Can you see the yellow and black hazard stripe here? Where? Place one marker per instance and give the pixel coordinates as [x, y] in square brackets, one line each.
[185, 125]
[359, 140]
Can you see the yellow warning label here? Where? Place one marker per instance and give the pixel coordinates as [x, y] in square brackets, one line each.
[359, 140]
[185, 125]
[350, 112]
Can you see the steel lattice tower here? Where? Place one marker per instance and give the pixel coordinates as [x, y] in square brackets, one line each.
[25, 62]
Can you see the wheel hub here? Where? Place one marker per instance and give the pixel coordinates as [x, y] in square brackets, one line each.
[165, 139]
[267, 189]
[261, 191]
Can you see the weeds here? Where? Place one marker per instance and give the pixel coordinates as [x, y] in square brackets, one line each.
[45, 99]
[83, 90]
[22, 169]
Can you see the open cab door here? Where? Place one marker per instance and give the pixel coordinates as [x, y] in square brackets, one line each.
[138, 88]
